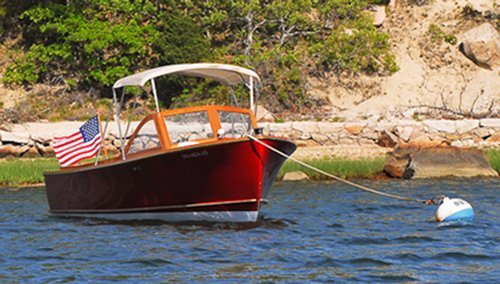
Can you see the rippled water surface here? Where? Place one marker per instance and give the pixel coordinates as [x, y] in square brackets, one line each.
[309, 232]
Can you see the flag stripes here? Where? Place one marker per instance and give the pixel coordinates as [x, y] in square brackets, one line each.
[80, 145]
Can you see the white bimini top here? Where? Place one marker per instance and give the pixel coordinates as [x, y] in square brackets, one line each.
[227, 74]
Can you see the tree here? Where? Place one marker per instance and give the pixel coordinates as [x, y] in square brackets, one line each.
[97, 42]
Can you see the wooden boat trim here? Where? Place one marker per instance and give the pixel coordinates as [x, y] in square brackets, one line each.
[163, 131]
[160, 208]
[142, 155]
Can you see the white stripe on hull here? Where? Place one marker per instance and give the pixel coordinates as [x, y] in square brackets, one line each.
[209, 216]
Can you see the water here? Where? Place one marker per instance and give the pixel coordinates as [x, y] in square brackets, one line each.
[310, 232]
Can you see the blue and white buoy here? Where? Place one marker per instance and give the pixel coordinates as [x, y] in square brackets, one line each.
[454, 209]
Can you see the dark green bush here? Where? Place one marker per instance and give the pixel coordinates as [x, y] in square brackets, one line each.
[356, 46]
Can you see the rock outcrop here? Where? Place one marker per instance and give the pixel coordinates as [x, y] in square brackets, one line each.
[437, 162]
[264, 115]
[378, 13]
[482, 45]
[365, 138]
[483, 7]
[295, 176]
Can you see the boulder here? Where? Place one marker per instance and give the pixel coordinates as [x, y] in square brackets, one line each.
[467, 125]
[45, 151]
[295, 176]
[482, 132]
[426, 143]
[263, 115]
[404, 132]
[31, 153]
[387, 139]
[369, 133]
[19, 138]
[490, 122]
[397, 163]
[378, 13]
[482, 6]
[20, 151]
[320, 138]
[348, 140]
[447, 126]
[482, 45]
[305, 126]
[418, 135]
[435, 162]
[495, 138]
[392, 5]
[354, 128]
[8, 150]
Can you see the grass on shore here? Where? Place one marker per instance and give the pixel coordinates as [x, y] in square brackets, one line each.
[344, 168]
[493, 156]
[18, 172]
[363, 168]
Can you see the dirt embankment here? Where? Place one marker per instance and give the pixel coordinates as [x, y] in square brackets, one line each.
[435, 78]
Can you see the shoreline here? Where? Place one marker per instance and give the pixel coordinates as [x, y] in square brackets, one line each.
[17, 173]
[363, 142]
[360, 139]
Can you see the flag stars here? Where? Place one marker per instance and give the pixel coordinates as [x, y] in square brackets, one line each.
[90, 129]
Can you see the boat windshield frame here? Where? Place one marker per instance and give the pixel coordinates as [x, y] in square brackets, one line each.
[229, 75]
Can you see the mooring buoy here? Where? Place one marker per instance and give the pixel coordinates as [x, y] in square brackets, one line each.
[454, 209]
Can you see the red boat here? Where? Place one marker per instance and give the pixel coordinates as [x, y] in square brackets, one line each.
[189, 164]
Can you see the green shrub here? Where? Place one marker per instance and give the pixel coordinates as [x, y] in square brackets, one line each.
[493, 156]
[356, 46]
[437, 35]
[97, 42]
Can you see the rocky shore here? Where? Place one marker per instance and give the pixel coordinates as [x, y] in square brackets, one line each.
[356, 139]
[374, 138]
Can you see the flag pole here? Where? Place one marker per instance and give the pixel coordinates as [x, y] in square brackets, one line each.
[103, 145]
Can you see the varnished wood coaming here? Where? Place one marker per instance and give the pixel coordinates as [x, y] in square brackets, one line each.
[165, 144]
[157, 152]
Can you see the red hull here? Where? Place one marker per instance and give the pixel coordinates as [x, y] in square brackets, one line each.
[222, 177]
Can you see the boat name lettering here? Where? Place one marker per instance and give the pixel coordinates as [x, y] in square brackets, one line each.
[195, 154]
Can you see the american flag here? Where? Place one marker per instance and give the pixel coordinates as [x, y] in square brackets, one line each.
[80, 145]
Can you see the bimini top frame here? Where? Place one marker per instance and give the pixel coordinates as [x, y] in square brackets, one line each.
[229, 75]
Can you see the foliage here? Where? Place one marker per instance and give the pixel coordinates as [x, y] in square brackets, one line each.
[180, 40]
[94, 42]
[356, 46]
[468, 11]
[438, 35]
[494, 158]
[9, 13]
[98, 42]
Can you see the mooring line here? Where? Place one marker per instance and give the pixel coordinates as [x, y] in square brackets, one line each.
[362, 187]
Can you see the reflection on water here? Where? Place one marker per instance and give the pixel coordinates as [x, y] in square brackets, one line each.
[323, 232]
[270, 223]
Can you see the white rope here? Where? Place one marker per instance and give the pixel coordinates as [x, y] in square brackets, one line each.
[362, 187]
